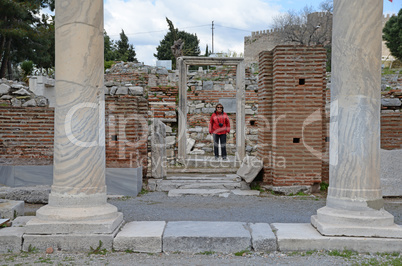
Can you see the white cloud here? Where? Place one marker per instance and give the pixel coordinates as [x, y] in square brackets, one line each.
[144, 22]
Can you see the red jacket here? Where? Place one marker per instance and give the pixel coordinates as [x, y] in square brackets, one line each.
[214, 127]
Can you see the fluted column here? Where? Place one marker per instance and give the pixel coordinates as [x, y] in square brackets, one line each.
[354, 203]
[78, 193]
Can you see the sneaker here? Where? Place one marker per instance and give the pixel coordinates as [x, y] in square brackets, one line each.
[216, 158]
[224, 158]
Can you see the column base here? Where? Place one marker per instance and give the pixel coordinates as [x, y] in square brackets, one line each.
[102, 219]
[335, 222]
[84, 242]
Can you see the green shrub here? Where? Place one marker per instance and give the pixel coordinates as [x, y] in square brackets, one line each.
[27, 68]
[108, 64]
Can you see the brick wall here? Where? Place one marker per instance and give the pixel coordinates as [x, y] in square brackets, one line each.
[126, 131]
[265, 115]
[391, 131]
[291, 114]
[27, 133]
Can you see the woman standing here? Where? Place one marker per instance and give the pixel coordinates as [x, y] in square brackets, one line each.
[219, 126]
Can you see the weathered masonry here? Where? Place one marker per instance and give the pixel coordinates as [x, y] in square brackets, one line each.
[291, 115]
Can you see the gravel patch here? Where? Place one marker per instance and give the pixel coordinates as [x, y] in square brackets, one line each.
[243, 258]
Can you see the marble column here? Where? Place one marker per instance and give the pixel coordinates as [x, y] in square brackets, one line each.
[77, 203]
[354, 203]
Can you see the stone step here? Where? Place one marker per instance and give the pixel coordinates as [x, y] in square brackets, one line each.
[190, 170]
[232, 177]
[167, 185]
[212, 192]
[212, 163]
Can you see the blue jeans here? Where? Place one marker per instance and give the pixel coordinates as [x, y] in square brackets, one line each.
[222, 139]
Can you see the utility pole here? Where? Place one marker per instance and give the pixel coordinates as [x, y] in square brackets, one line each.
[212, 36]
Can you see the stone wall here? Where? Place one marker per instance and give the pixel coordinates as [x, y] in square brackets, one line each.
[27, 132]
[205, 89]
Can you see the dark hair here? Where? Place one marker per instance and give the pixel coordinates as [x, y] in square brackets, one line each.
[218, 105]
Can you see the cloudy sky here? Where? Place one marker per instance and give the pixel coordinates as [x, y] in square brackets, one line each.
[144, 21]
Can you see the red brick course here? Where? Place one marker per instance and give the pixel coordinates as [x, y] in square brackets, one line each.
[291, 111]
[27, 133]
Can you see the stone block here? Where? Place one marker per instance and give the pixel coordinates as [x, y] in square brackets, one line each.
[229, 105]
[158, 148]
[196, 236]
[197, 152]
[7, 175]
[33, 175]
[70, 242]
[122, 91]
[249, 112]
[208, 110]
[21, 221]
[240, 192]
[71, 222]
[263, 239]
[288, 190]
[304, 237]
[391, 169]
[11, 209]
[199, 192]
[208, 85]
[229, 87]
[189, 145]
[30, 103]
[124, 181]
[250, 168]
[391, 102]
[170, 140]
[22, 92]
[11, 239]
[136, 90]
[143, 236]
[16, 103]
[36, 194]
[5, 97]
[4, 89]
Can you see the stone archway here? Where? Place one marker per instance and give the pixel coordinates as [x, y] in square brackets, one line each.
[185, 61]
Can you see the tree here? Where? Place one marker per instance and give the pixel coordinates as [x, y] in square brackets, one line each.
[189, 48]
[125, 51]
[120, 50]
[392, 34]
[304, 27]
[207, 52]
[327, 6]
[23, 34]
[109, 48]
[307, 27]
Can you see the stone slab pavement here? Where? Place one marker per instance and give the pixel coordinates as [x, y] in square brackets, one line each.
[158, 223]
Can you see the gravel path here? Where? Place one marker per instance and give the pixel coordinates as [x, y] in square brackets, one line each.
[252, 258]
